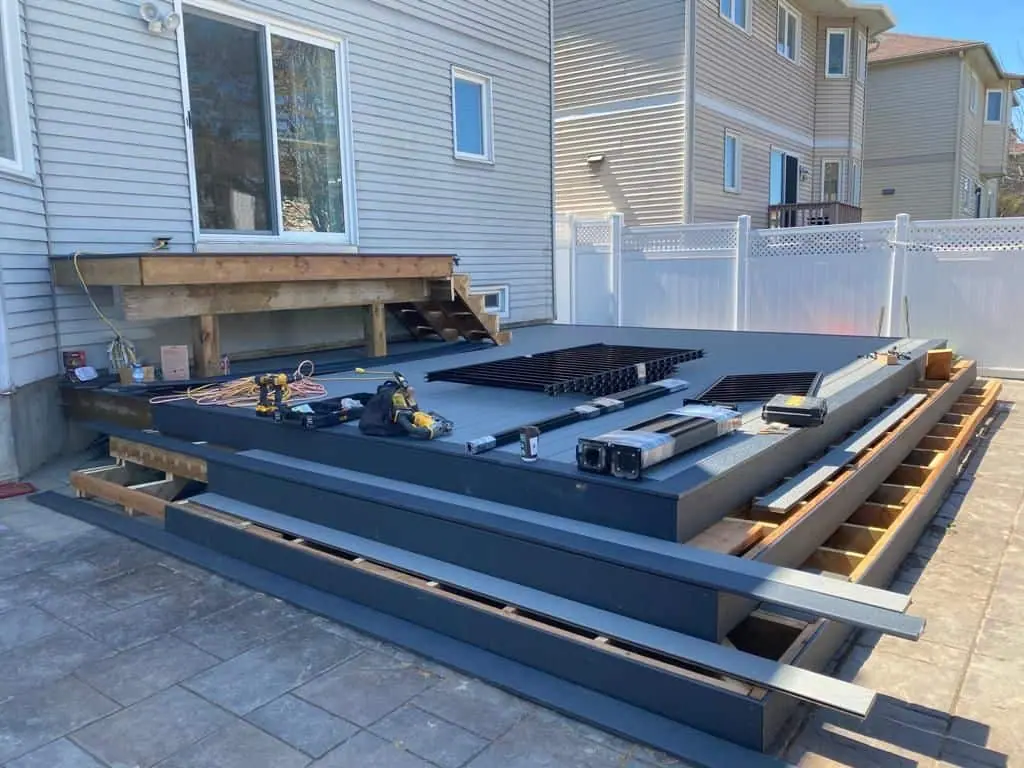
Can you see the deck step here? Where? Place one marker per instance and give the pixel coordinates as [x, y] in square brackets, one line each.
[450, 312]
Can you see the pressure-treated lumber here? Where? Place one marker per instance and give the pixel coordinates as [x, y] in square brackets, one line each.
[812, 687]
[160, 302]
[206, 345]
[166, 269]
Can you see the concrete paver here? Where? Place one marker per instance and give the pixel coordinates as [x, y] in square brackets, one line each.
[116, 655]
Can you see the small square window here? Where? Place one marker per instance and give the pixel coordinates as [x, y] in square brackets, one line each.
[787, 41]
[731, 163]
[994, 107]
[495, 299]
[837, 53]
[735, 11]
[471, 116]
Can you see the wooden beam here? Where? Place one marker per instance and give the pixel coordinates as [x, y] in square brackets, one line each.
[206, 345]
[166, 269]
[161, 302]
[375, 324]
[97, 270]
[171, 462]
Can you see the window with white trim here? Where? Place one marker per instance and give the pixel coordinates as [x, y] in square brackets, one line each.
[269, 127]
[837, 53]
[472, 134]
[855, 183]
[495, 299]
[832, 178]
[787, 36]
[731, 162]
[994, 106]
[15, 130]
[862, 57]
[975, 86]
[736, 11]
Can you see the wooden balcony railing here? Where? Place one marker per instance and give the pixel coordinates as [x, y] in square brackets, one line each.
[813, 214]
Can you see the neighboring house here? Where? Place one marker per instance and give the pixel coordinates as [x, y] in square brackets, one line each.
[396, 127]
[703, 110]
[939, 117]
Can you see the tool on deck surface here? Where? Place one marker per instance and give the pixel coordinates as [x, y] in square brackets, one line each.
[393, 410]
[589, 410]
[272, 383]
[797, 410]
[626, 453]
[324, 413]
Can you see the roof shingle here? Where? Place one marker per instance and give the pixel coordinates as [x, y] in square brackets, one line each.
[896, 46]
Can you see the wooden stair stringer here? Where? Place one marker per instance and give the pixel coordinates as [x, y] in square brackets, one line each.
[451, 312]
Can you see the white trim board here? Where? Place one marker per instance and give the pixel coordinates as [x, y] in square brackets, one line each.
[23, 165]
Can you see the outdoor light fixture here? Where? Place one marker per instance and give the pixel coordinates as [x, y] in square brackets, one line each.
[593, 160]
[158, 24]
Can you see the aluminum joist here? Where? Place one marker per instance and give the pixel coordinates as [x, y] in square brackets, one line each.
[709, 656]
[691, 744]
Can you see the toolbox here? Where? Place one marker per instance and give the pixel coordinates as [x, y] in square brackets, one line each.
[795, 410]
[323, 413]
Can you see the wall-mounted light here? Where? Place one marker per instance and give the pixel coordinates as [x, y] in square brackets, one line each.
[805, 173]
[594, 160]
[158, 24]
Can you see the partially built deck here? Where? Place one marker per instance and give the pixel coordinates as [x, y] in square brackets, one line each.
[575, 589]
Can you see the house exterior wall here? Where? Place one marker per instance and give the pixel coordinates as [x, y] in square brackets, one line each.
[619, 79]
[909, 147]
[116, 167]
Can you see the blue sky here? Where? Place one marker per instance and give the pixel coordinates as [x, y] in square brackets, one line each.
[999, 23]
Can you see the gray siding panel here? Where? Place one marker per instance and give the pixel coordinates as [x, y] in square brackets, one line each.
[25, 294]
[115, 167]
[619, 74]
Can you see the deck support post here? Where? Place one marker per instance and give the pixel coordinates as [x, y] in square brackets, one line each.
[375, 328]
[206, 345]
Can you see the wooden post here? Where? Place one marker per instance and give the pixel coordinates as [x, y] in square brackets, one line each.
[206, 345]
[376, 333]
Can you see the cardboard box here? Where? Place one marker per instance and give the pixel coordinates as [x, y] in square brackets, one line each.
[174, 362]
[125, 374]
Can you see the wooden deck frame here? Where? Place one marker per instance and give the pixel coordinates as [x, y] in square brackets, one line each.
[156, 286]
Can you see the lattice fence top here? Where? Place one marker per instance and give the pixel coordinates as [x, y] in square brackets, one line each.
[842, 240]
[593, 233]
[696, 240]
[967, 235]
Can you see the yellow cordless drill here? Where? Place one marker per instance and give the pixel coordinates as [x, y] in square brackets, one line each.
[267, 382]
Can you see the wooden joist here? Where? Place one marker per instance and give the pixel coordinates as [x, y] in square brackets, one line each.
[167, 269]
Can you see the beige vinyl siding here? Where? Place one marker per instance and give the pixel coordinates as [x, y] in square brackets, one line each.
[970, 140]
[995, 141]
[619, 71]
[711, 201]
[740, 68]
[642, 172]
[909, 146]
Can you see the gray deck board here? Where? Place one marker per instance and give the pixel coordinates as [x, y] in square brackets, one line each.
[808, 686]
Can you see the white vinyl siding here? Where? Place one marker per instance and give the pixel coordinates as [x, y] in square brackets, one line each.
[731, 162]
[837, 53]
[788, 33]
[975, 86]
[994, 100]
[15, 129]
[862, 57]
[472, 134]
[736, 11]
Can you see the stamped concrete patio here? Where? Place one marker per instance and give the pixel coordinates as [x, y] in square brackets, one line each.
[115, 655]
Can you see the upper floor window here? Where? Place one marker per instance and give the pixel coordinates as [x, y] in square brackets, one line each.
[15, 130]
[862, 57]
[788, 34]
[736, 11]
[994, 107]
[471, 116]
[837, 53]
[975, 86]
[268, 128]
[731, 163]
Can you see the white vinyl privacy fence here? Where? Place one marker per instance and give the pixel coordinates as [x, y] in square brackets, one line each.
[962, 280]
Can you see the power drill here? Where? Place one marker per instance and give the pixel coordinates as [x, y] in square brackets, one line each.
[266, 382]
